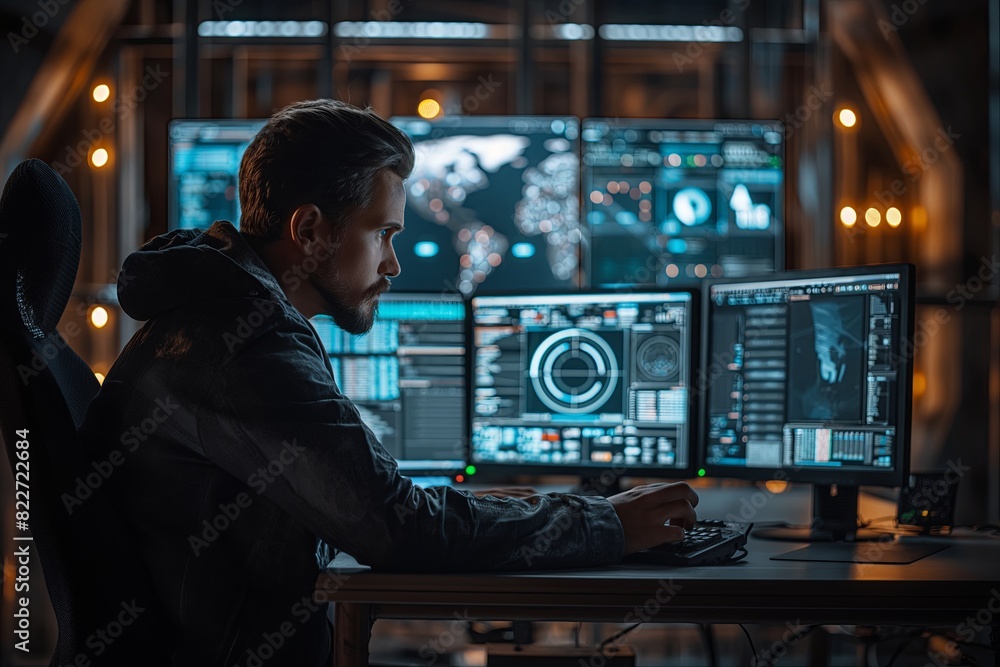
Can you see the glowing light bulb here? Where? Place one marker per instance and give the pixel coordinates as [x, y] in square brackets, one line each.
[99, 317]
[873, 217]
[893, 217]
[776, 485]
[847, 117]
[428, 108]
[99, 157]
[848, 217]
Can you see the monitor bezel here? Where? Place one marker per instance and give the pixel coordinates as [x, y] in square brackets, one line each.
[683, 124]
[500, 470]
[893, 477]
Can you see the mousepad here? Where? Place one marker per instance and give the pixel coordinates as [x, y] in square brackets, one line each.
[891, 553]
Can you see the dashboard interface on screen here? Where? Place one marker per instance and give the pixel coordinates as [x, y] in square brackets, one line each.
[407, 378]
[582, 380]
[808, 374]
[492, 203]
[670, 202]
[204, 165]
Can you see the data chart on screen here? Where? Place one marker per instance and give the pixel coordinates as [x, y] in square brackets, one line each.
[670, 202]
[407, 378]
[583, 381]
[808, 374]
[204, 166]
[492, 204]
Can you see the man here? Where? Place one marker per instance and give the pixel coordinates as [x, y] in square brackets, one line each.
[242, 459]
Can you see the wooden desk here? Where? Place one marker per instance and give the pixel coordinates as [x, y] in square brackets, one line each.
[953, 587]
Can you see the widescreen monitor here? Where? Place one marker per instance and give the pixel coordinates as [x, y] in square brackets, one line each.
[407, 378]
[492, 204]
[204, 165]
[583, 383]
[670, 202]
[807, 377]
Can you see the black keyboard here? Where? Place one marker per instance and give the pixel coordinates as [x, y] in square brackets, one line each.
[707, 543]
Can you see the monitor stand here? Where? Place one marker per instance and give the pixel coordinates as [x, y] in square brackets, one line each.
[835, 519]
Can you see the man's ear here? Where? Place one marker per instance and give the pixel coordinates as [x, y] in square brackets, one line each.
[306, 228]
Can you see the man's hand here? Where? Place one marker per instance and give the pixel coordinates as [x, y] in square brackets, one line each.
[644, 510]
[508, 492]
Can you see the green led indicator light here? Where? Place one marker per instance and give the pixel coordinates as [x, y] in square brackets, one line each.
[470, 470]
[701, 472]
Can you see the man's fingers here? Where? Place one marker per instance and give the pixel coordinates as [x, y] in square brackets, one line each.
[664, 494]
[680, 513]
[655, 514]
[675, 491]
[665, 534]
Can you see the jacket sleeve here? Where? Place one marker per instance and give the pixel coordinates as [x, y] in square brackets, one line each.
[276, 419]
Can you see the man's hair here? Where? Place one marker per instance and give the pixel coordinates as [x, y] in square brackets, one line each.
[321, 152]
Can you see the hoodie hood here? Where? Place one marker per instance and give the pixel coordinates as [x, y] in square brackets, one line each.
[186, 266]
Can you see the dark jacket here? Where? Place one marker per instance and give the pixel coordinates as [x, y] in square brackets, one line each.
[237, 460]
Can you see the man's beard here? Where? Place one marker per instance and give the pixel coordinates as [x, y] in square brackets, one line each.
[357, 319]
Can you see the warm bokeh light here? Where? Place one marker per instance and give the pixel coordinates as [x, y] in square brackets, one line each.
[99, 157]
[847, 117]
[429, 108]
[918, 218]
[102, 92]
[100, 377]
[776, 485]
[873, 217]
[848, 216]
[893, 217]
[919, 384]
[98, 317]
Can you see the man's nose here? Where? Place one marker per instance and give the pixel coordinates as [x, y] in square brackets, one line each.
[390, 264]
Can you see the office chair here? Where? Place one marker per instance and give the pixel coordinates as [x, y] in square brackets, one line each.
[93, 576]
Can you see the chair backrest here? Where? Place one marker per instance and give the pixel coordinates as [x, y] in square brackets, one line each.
[91, 569]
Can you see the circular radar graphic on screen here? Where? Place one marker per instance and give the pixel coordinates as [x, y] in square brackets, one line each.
[574, 371]
[692, 206]
[659, 358]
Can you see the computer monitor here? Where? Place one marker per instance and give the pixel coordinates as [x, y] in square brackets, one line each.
[596, 384]
[669, 202]
[492, 203]
[204, 164]
[407, 378]
[807, 377]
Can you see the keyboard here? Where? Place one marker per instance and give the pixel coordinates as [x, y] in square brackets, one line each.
[707, 543]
